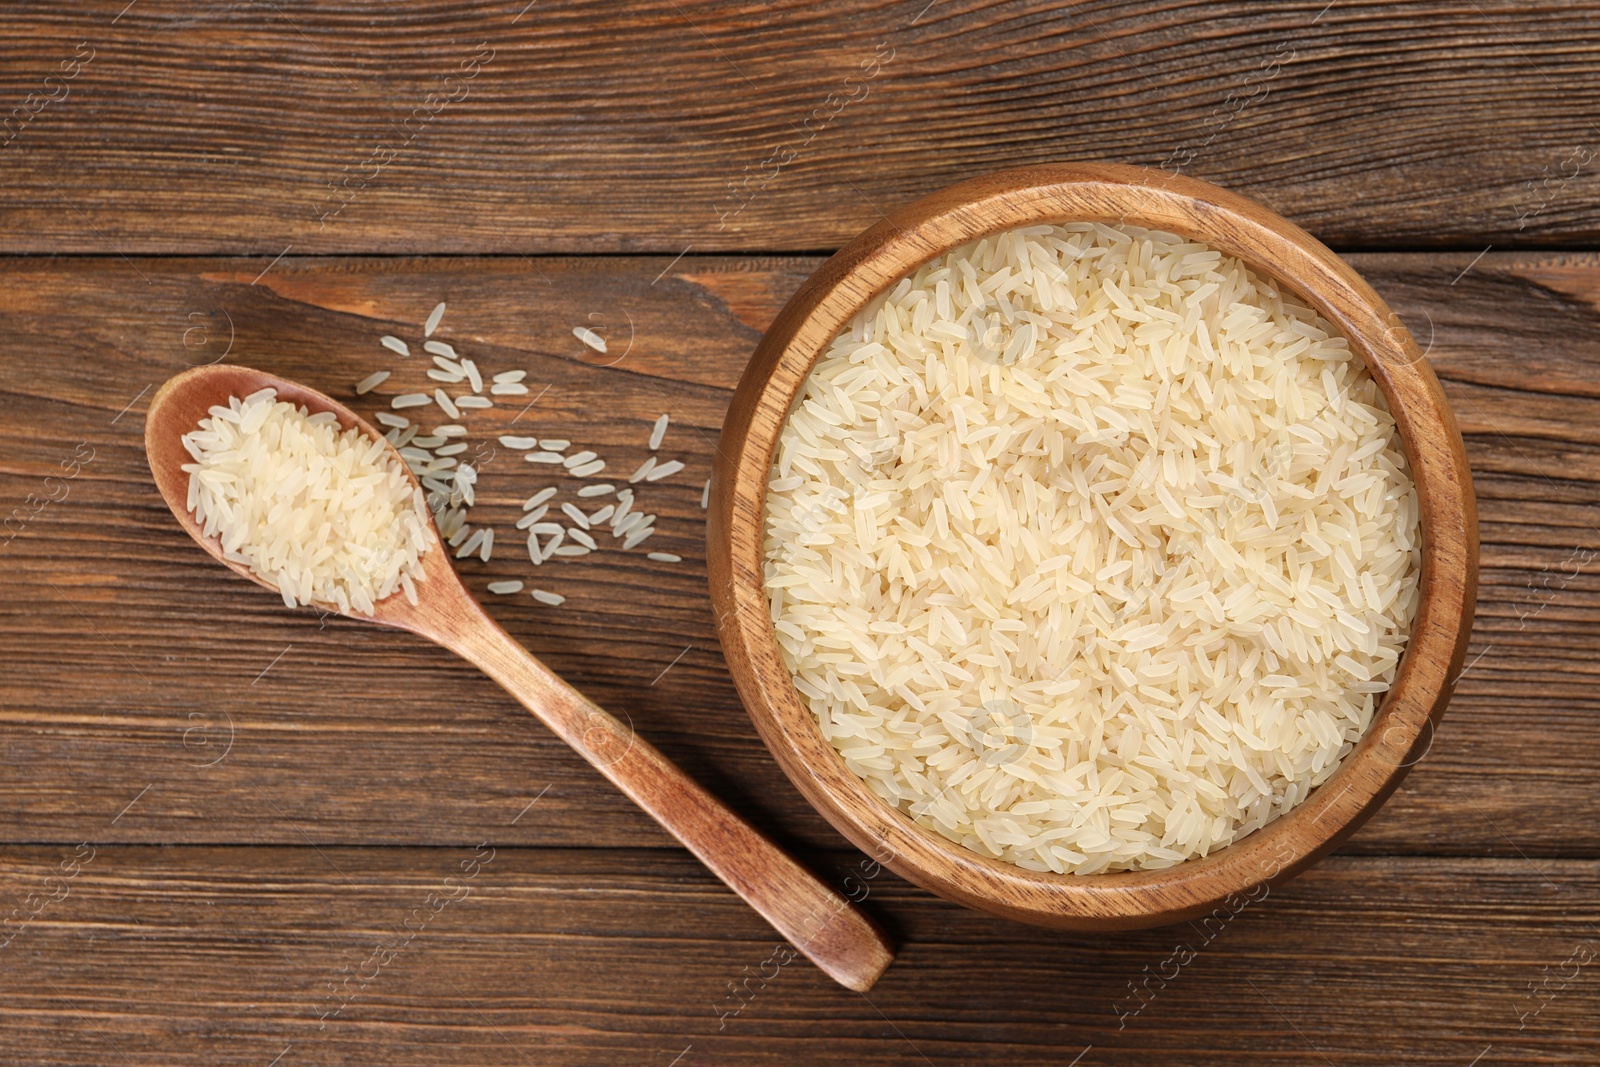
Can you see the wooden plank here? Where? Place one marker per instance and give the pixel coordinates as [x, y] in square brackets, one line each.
[237, 955]
[732, 126]
[133, 661]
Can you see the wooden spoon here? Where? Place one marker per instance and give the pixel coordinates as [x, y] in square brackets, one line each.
[819, 922]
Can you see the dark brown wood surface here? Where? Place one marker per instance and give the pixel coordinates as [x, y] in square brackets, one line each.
[592, 127]
[269, 795]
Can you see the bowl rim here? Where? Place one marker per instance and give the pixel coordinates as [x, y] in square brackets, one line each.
[1403, 726]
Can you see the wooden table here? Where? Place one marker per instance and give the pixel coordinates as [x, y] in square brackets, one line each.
[227, 826]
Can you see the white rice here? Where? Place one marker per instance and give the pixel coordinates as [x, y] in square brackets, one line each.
[394, 344]
[644, 470]
[538, 498]
[473, 403]
[664, 470]
[440, 348]
[555, 444]
[399, 422]
[1090, 549]
[543, 457]
[324, 515]
[508, 389]
[658, 432]
[589, 470]
[371, 382]
[590, 338]
[553, 599]
[445, 404]
[473, 376]
[434, 317]
[599, 489]
[705, 496]
[473, 543]
[520, 443]
[509, 377]
[410, 400]
[665, 557]
[505, 588]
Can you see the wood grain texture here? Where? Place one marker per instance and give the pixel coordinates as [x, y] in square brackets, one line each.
[129, 657]
[232, 956]
[1402, 730]
[735, 126]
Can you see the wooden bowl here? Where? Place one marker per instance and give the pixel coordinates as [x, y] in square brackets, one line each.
[1402, 730]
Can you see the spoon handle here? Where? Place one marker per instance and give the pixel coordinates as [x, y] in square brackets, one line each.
[821, 923]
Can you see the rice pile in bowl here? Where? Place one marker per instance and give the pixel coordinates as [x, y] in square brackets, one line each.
[1090, 549]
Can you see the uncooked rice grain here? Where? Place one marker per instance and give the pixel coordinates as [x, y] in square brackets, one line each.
[324, 515]
[1090, 549]
[505, 588]
[410, 400]
[590, 338]
[477, 539]
[433, 319]
[588, 470]
[371, 382]
[553, 599]
[664, 470]
[394, 344]
[539, 498]
[658, 432]
[599, 489]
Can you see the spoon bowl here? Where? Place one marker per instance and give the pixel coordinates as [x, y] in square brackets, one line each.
[817, 920]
